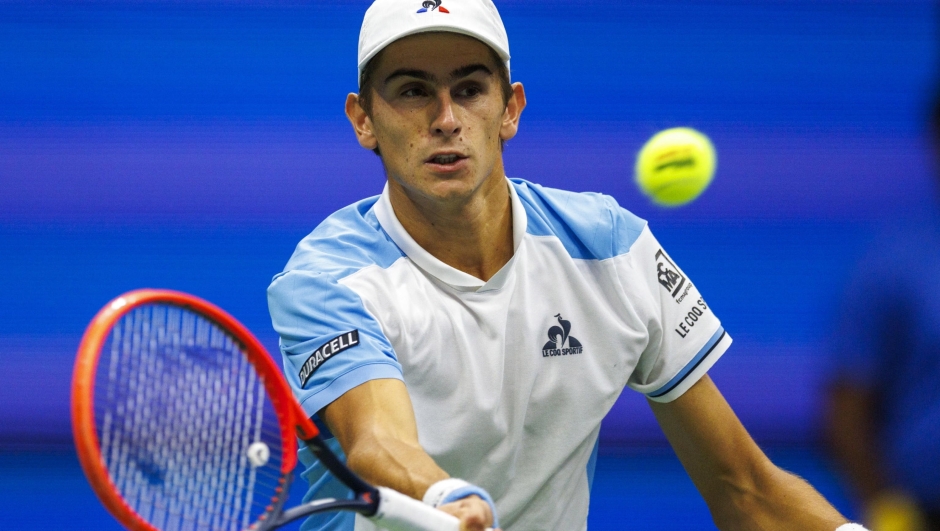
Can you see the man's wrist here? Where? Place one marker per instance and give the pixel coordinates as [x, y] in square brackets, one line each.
[436, 493]
[453, 489]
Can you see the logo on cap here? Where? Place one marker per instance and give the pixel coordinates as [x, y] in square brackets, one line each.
[431, 5]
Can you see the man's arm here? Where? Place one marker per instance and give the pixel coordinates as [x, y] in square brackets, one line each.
[375, 425]
[742, 488]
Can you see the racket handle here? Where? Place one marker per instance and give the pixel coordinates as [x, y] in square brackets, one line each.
[398, 512]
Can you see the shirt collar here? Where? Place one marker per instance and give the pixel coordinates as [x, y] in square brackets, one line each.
[449, 275]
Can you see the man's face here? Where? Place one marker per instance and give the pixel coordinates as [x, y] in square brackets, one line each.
[438, 116]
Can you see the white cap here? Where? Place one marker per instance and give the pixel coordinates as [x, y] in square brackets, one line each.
[386, 21]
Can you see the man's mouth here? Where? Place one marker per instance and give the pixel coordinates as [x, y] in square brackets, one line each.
[449, 158]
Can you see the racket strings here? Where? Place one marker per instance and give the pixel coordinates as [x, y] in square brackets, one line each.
[177, 405]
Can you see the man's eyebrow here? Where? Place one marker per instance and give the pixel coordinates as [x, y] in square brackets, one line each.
[461, 72]
[410, 72]
[465, 71]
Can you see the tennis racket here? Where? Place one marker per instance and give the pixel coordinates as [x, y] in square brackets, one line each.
[183, 422]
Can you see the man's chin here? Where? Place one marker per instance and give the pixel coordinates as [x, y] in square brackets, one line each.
[449, 188]
[452, 192]
[456, 183]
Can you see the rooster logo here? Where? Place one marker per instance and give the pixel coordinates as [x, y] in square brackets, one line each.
[558, 337]
[431, 5]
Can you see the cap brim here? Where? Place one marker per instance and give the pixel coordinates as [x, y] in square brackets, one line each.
[432, 28]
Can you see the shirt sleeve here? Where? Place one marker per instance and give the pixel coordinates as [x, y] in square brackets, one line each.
[685, 338]
[329, 342]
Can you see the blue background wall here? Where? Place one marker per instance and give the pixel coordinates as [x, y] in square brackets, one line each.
[190, 145]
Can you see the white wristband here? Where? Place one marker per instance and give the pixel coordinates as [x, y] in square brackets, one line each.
[453, 489]
[441, 489]
[850, 527]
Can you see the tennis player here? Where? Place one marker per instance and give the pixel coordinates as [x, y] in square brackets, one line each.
[463, 334]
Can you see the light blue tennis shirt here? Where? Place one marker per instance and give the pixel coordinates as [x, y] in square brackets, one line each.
[510, 378]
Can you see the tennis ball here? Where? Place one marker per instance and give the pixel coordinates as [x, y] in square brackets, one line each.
[675, 166]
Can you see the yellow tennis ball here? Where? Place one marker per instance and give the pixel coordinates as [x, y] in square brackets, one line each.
[675, 166]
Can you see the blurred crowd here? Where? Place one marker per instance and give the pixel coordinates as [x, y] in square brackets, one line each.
[883, 400]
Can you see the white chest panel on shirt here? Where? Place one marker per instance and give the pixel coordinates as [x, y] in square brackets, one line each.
[510, 385]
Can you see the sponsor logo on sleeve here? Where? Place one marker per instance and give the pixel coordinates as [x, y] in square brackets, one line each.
[560, 342]
[668, 274]
[670, 278]
[690, 319]
[326, 351]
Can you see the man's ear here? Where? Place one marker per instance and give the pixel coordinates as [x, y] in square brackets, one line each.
[513, 112]
[362, 124]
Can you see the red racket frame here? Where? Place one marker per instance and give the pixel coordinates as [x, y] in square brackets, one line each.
[290, 415]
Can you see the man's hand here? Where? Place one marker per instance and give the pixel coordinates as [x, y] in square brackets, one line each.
[473, 512]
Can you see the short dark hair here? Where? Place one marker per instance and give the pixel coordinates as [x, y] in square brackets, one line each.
[368, 74]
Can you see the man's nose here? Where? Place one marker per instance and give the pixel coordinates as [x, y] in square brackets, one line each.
[445, 122]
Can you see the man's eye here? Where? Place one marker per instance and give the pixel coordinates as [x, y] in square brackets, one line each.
[413, 92]
[469, 92]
